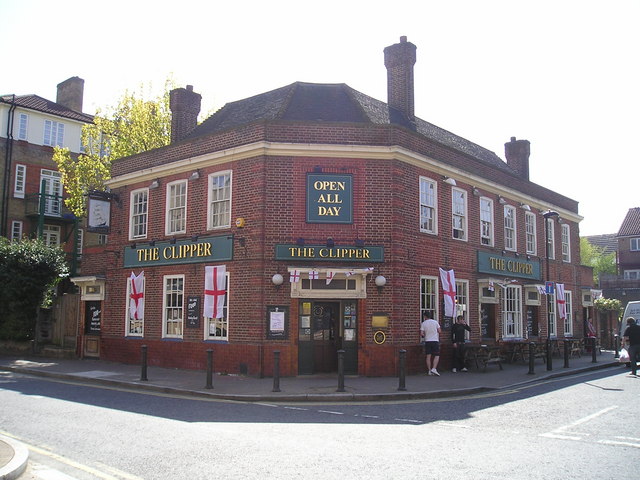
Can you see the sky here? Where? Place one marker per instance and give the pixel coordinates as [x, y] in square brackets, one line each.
[563, 74]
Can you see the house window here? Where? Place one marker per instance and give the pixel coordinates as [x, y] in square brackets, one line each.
[173, 307]
[51, 235]
[138, 214]
[635, 244]
[428, 201]
[486, 221]
[428, 297]
[510, 228]
[551, 309]
[79, 242]
[53, 133]
[530, 231]
[512, 312]
[568, 321]
[566, 245]
[23, 122]
[551, 244]
[219, 213]
[102, 239]
[51, 184]
[462, 301]
[19, 185]
[16, 231]
[218, 328]
[631, 274]
[134, 326]
[176, 207]
[459, 213]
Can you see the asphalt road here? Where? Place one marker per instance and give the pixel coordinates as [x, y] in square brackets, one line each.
[579, 427]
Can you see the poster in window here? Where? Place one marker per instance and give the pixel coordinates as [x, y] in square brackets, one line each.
[277, 322]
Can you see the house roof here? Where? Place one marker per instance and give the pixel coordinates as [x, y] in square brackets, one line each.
[35, 102]
[608, 242]
[313, 102]
[631, 223]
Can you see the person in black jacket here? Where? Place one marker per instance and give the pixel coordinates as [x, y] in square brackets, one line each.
[632, 339]
[457, 337]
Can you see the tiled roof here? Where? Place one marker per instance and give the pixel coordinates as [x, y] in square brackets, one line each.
[34, 102]
[607, 242]
[631, 223]
[312, 102]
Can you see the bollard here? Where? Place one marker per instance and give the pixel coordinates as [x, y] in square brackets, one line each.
[402, 377]
[143, 373]
[532, 357]
[340, 371]
[549, 359]
[209, 369]
[276, 371]
[616, 345]
[566, 354]
[593, 350]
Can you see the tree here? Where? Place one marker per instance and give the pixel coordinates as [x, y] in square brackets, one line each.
[134, 126]
[594, 256]
[29, 270]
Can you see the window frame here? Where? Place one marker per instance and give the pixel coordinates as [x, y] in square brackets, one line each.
[429, 294]
[462, 302]
[50, 232]
[530, 233]
[53, 135]
[179, 306]
[20, 180]
[550, 252]
[226, 200]
[133, 214]
[224, 321]
[512, 319]
[636, 247]
[552, 323]
[510, 231]
[428, 193]
[23, 127]
[169, 210]
[487, 239]
[565, 237]
[568, 321]
[459, 199]
[20, 226]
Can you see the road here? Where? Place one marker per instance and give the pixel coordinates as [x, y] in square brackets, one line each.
[585, 426]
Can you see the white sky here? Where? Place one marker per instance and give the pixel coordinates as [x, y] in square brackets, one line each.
[562, 74]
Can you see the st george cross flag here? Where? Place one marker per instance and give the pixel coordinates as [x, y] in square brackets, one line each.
[330, 277]
[136, 296]
[294, 276]
[492, 288]
[313, 275]
[215, 283]
[541, 290]
[449, 291]
[560, 300]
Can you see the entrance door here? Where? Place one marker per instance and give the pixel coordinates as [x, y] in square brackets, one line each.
[325, 328]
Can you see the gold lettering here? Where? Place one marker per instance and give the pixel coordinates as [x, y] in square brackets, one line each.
[207, 250]
[328, 185]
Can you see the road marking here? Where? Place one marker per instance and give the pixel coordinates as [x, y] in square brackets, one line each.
[560, 431]
[407, 420]
[295, 408]
[330, 412]
[625, 444]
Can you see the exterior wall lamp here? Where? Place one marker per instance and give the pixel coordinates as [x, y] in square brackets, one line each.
[277, 280]
[380, 281]
[450, 181]
[155, 183]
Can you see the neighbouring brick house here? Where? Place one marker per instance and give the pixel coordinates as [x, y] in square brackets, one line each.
[329, 214]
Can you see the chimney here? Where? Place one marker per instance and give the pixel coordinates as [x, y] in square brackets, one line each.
[517, 154]
[185, 107]
[399, 60]
[70, 93]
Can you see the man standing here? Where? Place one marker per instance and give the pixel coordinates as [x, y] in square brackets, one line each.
[632, 340]
[430, 333]
[457, 337]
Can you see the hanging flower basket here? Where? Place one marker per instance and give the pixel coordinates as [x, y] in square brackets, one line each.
[608, 305]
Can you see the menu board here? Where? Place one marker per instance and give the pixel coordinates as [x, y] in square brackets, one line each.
[93, 317]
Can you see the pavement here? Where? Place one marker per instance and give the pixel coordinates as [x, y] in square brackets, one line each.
[305, 388]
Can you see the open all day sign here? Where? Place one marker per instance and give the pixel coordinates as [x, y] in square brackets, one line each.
[329, 198]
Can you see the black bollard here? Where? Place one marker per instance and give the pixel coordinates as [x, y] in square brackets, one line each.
[532, 357]
[143, 373]
[566, 354]
[593, 350]
[209, 369]
[549, 359]
[402, 377]
[616, 345]
[276, 371]
[340, 371]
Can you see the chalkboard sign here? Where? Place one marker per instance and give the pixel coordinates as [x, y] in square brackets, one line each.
[529, 321]
[193, 312]
[277, 323]
[92, 317]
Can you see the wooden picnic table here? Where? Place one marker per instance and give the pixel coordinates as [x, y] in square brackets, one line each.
[482, 355]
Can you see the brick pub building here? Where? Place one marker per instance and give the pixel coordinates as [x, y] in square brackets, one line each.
[330, 214]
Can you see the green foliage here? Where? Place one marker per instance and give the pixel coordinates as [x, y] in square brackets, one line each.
[134, 126]
[608, 304]
[29, 270]
[594, 256]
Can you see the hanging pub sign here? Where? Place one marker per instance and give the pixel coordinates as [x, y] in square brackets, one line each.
[99, 212]
[329, 198]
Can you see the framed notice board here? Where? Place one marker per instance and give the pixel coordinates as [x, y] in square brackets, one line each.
[277, 322]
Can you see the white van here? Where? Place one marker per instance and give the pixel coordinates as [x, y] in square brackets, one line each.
[631, 310]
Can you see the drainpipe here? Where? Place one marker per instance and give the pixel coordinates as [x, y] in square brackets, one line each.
[6, 181]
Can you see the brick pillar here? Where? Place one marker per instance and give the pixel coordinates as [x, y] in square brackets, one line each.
[185, 107]
[399, 60]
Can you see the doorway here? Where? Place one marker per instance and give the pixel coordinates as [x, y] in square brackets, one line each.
[324, 328]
